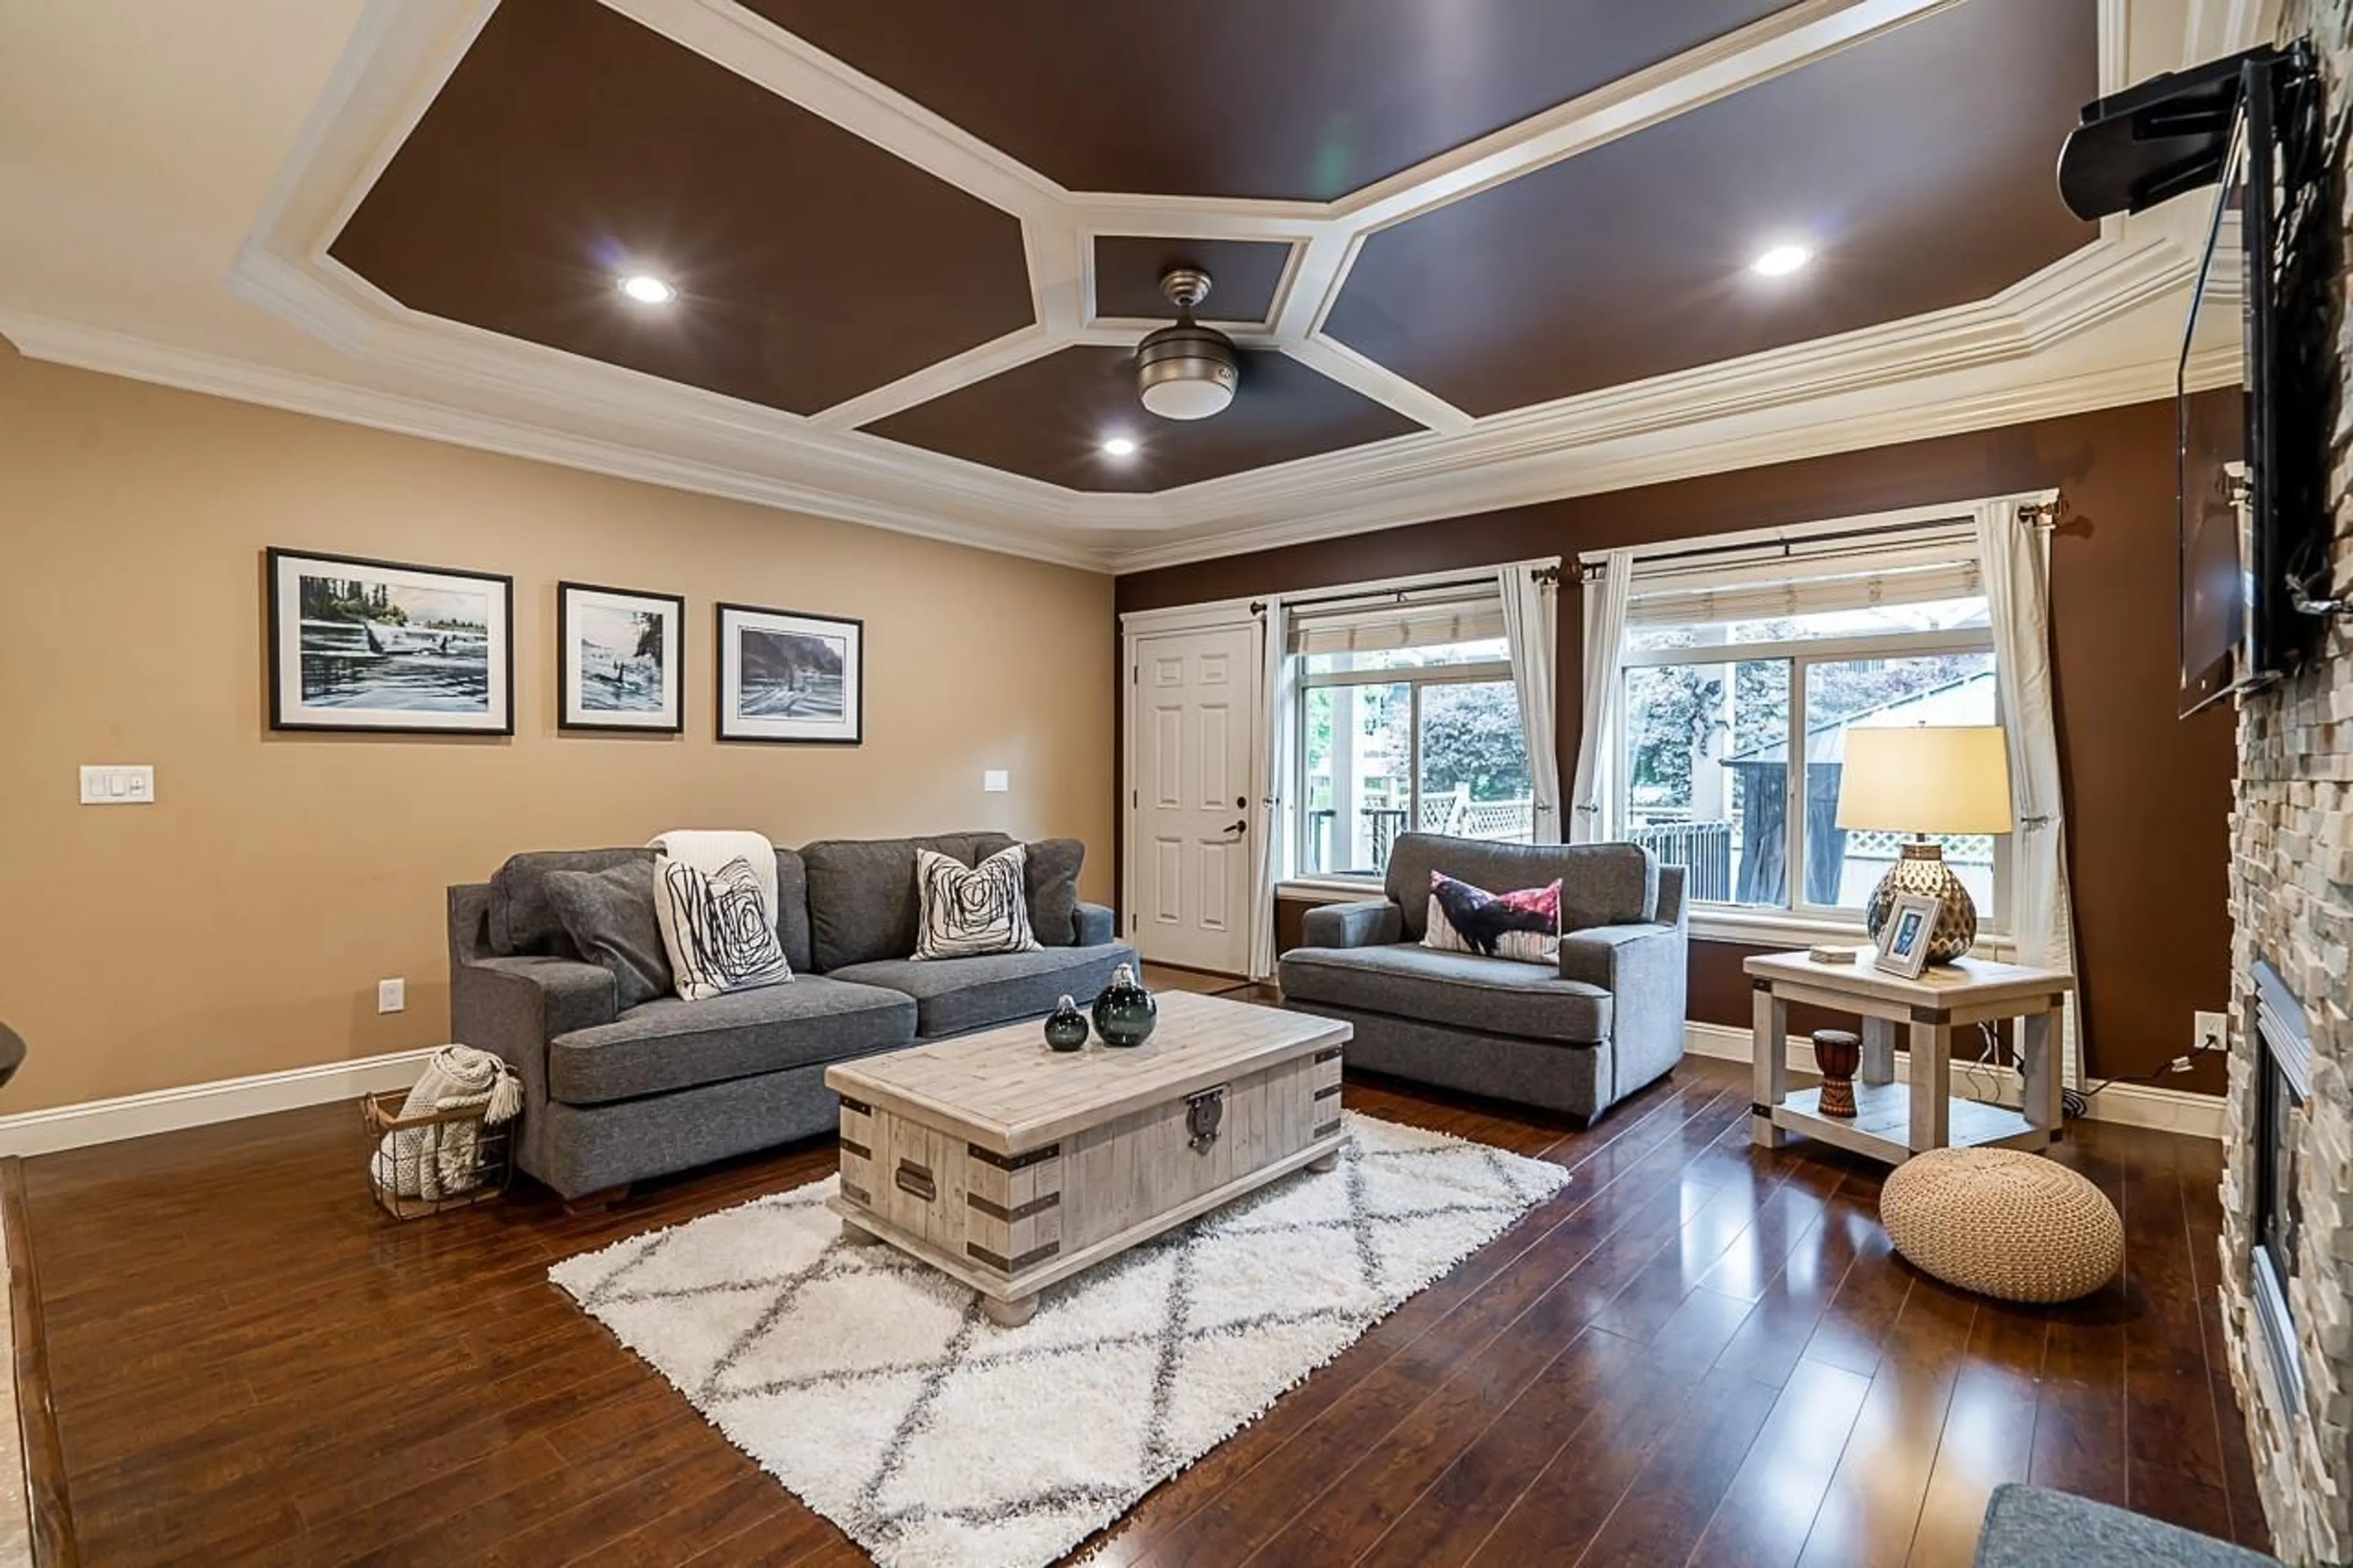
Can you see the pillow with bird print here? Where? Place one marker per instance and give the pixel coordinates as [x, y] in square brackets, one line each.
[1523, 926]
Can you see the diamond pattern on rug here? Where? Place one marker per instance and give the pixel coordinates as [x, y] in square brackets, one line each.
[874, 1388]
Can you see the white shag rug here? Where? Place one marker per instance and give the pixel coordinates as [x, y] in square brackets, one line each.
[872, 1386]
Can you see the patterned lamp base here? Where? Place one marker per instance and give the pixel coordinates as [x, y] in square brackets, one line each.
[1921, 871]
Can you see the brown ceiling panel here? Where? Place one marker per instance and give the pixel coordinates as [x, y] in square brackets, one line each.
[572, 145]
[1049, 417]
[1244, 273]
[1280, 98]
[1918, 164]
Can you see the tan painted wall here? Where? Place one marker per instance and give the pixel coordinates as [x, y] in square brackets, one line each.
[239, 924]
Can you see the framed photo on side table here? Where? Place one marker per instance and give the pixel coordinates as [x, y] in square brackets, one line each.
[1904, 944]
[621, 655]
[785, 675]
[380, 646]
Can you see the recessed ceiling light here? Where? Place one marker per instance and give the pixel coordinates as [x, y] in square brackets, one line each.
[647, 289]
[1781, 260]
[1119, 446]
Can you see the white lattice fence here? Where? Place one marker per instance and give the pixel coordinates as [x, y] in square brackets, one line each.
[1960, 848]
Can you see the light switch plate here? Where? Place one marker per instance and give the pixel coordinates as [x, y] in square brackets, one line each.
[118, 784]
[391, 995]
[996, 781]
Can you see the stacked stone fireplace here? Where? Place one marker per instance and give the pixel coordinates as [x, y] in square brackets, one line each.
[2287, 1193]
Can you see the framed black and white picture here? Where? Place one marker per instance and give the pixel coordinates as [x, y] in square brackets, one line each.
[784, 675]
[379, 645]
[620, 657]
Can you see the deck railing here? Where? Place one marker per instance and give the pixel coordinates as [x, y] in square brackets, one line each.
[1703, 848]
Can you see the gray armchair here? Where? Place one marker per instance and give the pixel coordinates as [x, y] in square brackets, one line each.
[1576, 1038]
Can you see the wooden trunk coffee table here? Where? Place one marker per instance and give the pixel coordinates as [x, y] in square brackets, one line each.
[1010, 1167]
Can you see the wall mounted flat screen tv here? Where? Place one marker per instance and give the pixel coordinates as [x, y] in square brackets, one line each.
[2252, 524]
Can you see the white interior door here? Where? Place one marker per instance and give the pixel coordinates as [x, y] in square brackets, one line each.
[1193, 711]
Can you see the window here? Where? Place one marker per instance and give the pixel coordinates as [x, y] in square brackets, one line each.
[1742, 680]
[1408, 721]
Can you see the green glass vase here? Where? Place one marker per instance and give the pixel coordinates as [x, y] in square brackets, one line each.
[1124, 1011]
[1066, 1026]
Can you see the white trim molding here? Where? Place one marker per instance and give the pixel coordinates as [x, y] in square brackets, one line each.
[2093, 330]
[2127, 1104]
[92, 1122]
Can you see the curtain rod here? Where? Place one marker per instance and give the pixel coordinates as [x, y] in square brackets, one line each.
[1483, 579]
[2039, 515]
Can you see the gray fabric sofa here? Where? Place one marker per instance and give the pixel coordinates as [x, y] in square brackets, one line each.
[1577, 1037]
[612, 1097]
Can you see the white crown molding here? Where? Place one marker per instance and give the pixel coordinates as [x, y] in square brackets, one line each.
[139, 360]
[428, 377]
[1667, 456]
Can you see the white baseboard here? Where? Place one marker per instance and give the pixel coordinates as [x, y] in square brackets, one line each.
[233, 1098]
[2130, 1104]
[202, 1104]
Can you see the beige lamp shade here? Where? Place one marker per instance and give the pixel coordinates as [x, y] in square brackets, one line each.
[1927, 779]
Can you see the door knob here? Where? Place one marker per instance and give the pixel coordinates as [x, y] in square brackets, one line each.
[1239, 828]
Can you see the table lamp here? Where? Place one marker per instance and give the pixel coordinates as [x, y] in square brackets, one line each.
[1921, 780]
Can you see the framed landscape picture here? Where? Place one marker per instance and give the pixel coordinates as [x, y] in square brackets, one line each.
[784, 676]
[620, 655]
[375, 645]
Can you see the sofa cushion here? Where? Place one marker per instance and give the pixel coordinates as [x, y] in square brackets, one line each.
[610, 919]
[1601, 884]
[522, 919]
[1053, 872]
[861, 893]
[955, 994]
[669, 1043]
[792, 909]
[1493, 996]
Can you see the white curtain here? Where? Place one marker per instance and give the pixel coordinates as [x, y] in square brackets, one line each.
[1274, 766]
[2017, 561]
[1532, 631]
[1605, 646]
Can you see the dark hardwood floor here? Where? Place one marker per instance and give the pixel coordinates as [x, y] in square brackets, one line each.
[1699, 1352]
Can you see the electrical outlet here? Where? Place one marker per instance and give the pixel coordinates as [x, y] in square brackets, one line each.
[391, 995]
[2209, 1031]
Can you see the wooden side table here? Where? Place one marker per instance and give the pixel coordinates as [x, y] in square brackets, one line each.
[1896, 1118]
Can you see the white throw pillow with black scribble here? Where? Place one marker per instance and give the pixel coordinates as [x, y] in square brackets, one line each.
[716, 930]
[969, 910]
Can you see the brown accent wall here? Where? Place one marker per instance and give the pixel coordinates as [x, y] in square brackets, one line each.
[2147, 794]
[239, 924]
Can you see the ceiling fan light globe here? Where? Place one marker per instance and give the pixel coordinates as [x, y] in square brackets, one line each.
[1187, 371]
[1187, 399]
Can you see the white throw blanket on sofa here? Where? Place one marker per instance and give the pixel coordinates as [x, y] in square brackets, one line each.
[709, 850]
[444, 1160]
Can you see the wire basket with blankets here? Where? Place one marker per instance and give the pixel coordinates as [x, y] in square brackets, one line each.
[447, 1142]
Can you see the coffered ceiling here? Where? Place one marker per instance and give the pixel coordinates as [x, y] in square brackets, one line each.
[1241, 98]
[572, 146]
[1476, 252]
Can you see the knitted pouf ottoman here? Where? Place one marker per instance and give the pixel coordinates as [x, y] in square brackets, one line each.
[2003, 1223]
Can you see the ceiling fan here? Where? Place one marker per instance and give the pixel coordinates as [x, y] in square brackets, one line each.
[1187, 371]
